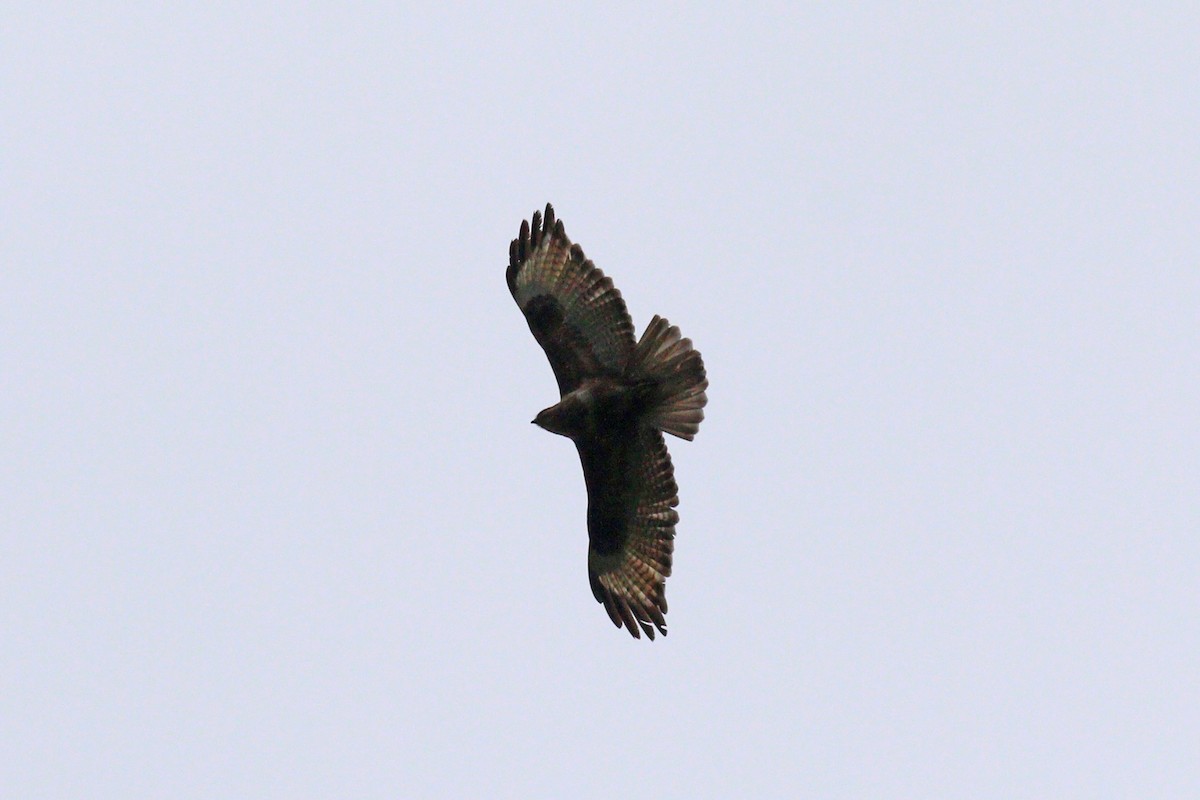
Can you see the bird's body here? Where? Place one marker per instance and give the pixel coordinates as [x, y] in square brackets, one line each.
[617, 397]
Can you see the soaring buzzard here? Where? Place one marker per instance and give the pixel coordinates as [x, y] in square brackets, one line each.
[618, 398]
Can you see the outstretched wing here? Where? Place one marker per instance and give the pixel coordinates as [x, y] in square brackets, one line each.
[631, 526]
[573, 310]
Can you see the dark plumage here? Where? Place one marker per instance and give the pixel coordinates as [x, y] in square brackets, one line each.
[617, 397]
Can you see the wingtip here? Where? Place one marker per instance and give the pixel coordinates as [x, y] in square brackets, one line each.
[532, 234]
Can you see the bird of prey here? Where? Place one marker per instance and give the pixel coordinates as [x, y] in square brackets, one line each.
[618, 397]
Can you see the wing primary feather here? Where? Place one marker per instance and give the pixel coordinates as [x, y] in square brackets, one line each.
[550, 221]
[643, 618]
[610, 605]
[535, 232]
[658, 618]
[627, 617]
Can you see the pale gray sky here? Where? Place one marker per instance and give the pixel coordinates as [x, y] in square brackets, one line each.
[275, 523]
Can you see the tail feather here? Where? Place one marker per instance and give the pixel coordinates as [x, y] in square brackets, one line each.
[675, 371]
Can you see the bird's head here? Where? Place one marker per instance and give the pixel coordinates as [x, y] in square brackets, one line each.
[559, 418]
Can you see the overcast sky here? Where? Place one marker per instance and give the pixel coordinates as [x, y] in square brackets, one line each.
[274, 522]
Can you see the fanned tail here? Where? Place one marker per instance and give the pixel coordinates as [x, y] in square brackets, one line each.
[675, 372]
